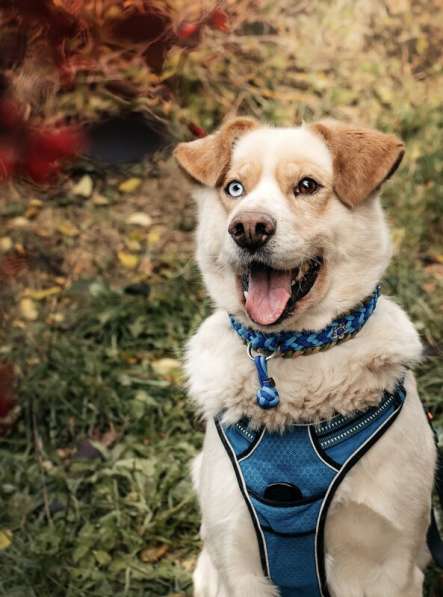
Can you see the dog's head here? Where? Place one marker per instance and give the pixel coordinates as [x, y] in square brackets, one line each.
[291, 231]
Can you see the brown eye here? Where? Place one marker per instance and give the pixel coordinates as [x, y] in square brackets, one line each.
[306, 186]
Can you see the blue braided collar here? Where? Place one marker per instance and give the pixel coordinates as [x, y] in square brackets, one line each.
[289, 343]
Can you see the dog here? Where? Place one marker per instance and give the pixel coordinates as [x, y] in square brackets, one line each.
[291, 236]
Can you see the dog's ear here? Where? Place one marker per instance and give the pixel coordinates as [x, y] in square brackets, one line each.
[362, 159]
[206, 159]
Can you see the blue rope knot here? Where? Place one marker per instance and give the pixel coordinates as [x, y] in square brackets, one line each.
[267, 394]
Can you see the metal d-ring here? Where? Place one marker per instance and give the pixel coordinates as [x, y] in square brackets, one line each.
[267, 357]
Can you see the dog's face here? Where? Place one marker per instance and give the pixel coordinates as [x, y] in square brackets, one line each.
[290, 230]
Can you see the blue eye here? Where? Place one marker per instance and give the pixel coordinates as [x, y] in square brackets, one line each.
[235, 189]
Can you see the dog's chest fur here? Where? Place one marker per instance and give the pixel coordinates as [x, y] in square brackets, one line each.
[343, 379]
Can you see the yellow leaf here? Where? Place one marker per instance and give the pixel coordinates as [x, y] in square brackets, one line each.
[166, 367]
[5, 538]
[397, 235]
[39, 295]
[139, 218]
[5, 244]
[55, 318]
[128, 260]
[100, 200]
[19, 222]
[28, 309]
[154, 236]
[68, 229]
[189, 564]
[83, 187]
[130, 185]
[133, 245]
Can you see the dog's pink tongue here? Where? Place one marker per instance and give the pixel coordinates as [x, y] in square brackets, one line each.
[268, 294]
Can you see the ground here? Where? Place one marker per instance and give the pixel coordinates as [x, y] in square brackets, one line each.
[94, 482]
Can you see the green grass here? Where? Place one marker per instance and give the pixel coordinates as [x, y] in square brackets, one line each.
[80, 525]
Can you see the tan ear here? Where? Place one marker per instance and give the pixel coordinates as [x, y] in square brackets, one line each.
[362, 158]
[205, 160]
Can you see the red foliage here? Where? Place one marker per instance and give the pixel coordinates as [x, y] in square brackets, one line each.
[57, 23]
[8, 163]
[34, 152]
[219, 19]
[7, 396]
[11, 266]
[188, 30]
[10, 115]
[196, 130]
[136, 27]
[87, 36]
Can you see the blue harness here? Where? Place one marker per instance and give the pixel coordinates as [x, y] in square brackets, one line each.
[288, 480]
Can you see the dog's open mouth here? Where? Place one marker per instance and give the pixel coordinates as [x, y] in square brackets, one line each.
[270, 295]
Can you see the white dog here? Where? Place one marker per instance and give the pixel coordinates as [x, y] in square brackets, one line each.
[291, 236]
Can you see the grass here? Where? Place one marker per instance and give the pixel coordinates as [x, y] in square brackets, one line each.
[94, 486]
[96, 518]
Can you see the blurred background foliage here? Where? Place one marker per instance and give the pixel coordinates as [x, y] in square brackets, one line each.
[98, 288]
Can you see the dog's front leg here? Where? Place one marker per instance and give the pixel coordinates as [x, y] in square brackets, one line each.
[229, 565]
[207, 582]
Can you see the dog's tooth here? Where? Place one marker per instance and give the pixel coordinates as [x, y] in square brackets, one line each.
[245, 294]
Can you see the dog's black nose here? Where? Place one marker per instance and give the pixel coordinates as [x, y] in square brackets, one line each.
[252, 229]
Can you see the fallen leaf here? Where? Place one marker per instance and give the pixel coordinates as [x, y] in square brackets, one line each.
[83, 187]
[436, 270]
[68, 229]
[100, 200]
[5, 244]
[19, 222]
[130, 185]
[87, 451]
[65, 453]
[165, 367]
[28, 309]
[5, 539]
[40, 295]
[397, 235]
[154, 236]
[102, 557]
[133, 245]
[128, 260]
[153, 554]
[189, 564]
[139, 218]
[146, 267]
[55, 318]
[32, 212]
